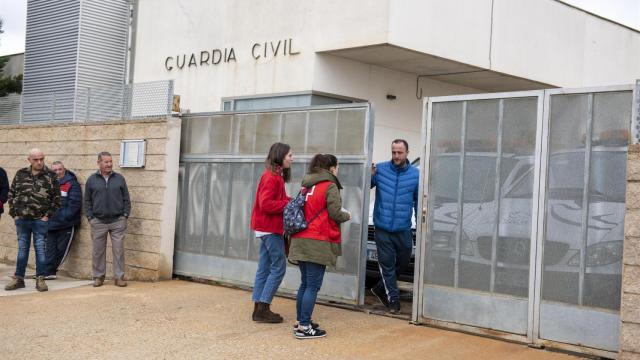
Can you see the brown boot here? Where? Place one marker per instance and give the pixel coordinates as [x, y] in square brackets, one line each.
[275, 317]
[40, 284]
[97, 282]
[120, 282]
[264, 315]
[255, 311]
[16, 283]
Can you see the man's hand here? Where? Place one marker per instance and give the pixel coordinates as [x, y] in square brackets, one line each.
[373, 168]
[45, 218]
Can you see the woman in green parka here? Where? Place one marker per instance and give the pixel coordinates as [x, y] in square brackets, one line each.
[319, 245]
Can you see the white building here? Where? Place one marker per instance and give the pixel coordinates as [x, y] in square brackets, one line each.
[382, 51]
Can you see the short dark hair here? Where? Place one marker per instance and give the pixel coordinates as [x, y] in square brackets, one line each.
[403, 141]
[322, 161]
[276, 156]
[103, 153]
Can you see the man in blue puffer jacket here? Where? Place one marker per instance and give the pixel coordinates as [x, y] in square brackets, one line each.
[62, 224]
[396, 184]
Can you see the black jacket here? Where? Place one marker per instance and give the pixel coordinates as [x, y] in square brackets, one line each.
[4, 189]
[106, 200]
[70, 203]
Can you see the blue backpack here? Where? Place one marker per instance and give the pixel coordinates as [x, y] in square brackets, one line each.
[293, 215]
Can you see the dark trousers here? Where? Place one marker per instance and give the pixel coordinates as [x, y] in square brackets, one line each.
[394, 255]
[57, 248]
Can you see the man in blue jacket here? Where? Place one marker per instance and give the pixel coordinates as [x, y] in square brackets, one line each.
[63, 223]
[396, 184]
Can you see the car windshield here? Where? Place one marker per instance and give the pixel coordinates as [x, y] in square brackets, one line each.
[479, 177]
[606, 181]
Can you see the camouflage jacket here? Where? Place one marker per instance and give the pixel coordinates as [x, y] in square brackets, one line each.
[34, 196]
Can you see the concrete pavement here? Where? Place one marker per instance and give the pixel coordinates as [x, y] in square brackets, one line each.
[185, 320]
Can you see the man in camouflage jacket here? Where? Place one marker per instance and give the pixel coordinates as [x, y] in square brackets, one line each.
[33, 198]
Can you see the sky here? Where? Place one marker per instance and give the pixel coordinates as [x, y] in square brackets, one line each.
[14, 13]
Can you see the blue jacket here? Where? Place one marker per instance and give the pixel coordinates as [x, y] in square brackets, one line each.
[396, 196]
[70, 203]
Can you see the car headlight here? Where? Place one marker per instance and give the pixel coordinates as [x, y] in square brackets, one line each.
[603, 253]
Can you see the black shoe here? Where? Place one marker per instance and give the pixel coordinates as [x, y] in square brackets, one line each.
[296, 326]
[309, 333]
[394, 306]
[381, 294]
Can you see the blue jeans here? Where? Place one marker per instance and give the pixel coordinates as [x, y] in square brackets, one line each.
[310, 283]
[271, 268]
[26, 227]
[394, 255]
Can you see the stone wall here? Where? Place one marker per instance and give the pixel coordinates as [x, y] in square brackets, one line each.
[630, 307]
[153, 189]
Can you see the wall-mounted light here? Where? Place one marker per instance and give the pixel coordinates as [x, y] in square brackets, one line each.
[391, 97]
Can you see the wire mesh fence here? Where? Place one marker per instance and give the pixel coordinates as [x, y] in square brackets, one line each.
[124, 102]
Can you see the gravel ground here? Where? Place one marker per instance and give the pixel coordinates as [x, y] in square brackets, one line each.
[185, 320]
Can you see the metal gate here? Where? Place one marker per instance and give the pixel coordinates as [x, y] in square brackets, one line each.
[222, 159]
[523, 219]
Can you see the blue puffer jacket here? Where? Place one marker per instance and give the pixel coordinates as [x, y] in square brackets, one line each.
[396, 196]
[71, 202]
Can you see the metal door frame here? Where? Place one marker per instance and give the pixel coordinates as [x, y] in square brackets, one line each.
[538, 222]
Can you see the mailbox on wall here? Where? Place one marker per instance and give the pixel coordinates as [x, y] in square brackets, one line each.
[132, 153]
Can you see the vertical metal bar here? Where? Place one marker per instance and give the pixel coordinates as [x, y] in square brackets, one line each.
[184, 205]
[497, 196]
[422, 226]
[255, 133]
[170, 98]
[251, 200]
[463, 135]
[306, 131]
[205, 215]
[225, 243]
[538, 211]
[635, 114]
[364, 224]
[585, 199]
[281, 126]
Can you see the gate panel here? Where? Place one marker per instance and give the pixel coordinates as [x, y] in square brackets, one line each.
[479, 225]
[584, 213]
[524, 221]
[222, 160]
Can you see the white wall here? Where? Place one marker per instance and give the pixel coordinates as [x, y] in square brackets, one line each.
[399, 118]
[541, 40]
[172, 27]
[554, 43]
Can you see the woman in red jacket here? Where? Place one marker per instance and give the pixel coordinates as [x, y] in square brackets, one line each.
[266, 221]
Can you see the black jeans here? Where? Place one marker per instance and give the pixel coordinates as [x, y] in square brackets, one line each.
[57, 248]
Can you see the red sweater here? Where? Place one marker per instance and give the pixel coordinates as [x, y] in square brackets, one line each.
[271, 198]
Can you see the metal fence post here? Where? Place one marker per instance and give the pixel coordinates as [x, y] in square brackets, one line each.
[169, 97]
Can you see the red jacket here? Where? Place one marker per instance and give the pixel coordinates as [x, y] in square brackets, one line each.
[322, 227]
[271, 198]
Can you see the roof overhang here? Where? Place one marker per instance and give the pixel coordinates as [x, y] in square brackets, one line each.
[437, 68]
